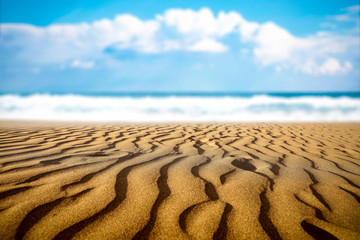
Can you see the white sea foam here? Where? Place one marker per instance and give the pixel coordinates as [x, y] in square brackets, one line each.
[260, 108]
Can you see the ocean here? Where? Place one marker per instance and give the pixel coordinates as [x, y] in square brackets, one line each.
[182, 107]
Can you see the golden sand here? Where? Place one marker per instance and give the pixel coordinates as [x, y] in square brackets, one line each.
[185, 181]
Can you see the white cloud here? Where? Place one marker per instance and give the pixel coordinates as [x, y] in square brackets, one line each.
[276, 46]
[82, 64]
[168, 45]
[204, 23]
[342, 17]
[125, 29]
[351, 14]
[353, 9]
[59, 43]
[248, 29]
[180, 30]
[208, 45]
[200, 23]
[273, 44]
[332, 66]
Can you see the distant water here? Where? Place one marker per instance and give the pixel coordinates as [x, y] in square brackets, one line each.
[199, 107]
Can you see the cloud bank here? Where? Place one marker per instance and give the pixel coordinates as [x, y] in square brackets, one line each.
[83, 45]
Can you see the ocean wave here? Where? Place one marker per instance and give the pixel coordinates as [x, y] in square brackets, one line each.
[258, 108]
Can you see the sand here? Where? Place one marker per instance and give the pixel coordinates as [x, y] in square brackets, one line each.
[179, 181]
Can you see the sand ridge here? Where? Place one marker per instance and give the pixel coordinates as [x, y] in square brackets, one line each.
[179, 181]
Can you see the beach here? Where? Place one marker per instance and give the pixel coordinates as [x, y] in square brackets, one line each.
[68, 180]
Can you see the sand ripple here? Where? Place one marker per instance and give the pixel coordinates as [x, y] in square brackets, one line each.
[185, 181]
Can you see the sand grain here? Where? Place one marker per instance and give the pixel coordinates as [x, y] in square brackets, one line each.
[179, 181]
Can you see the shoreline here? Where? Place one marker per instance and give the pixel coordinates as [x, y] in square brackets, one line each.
[50, 123]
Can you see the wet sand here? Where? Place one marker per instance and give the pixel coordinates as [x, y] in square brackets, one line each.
[179, 181]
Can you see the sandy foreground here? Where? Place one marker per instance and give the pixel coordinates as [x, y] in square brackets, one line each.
[179, 181]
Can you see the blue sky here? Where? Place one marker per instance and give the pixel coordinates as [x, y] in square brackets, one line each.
[73, 46]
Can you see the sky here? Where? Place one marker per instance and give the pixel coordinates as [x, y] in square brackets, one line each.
[179, 46]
